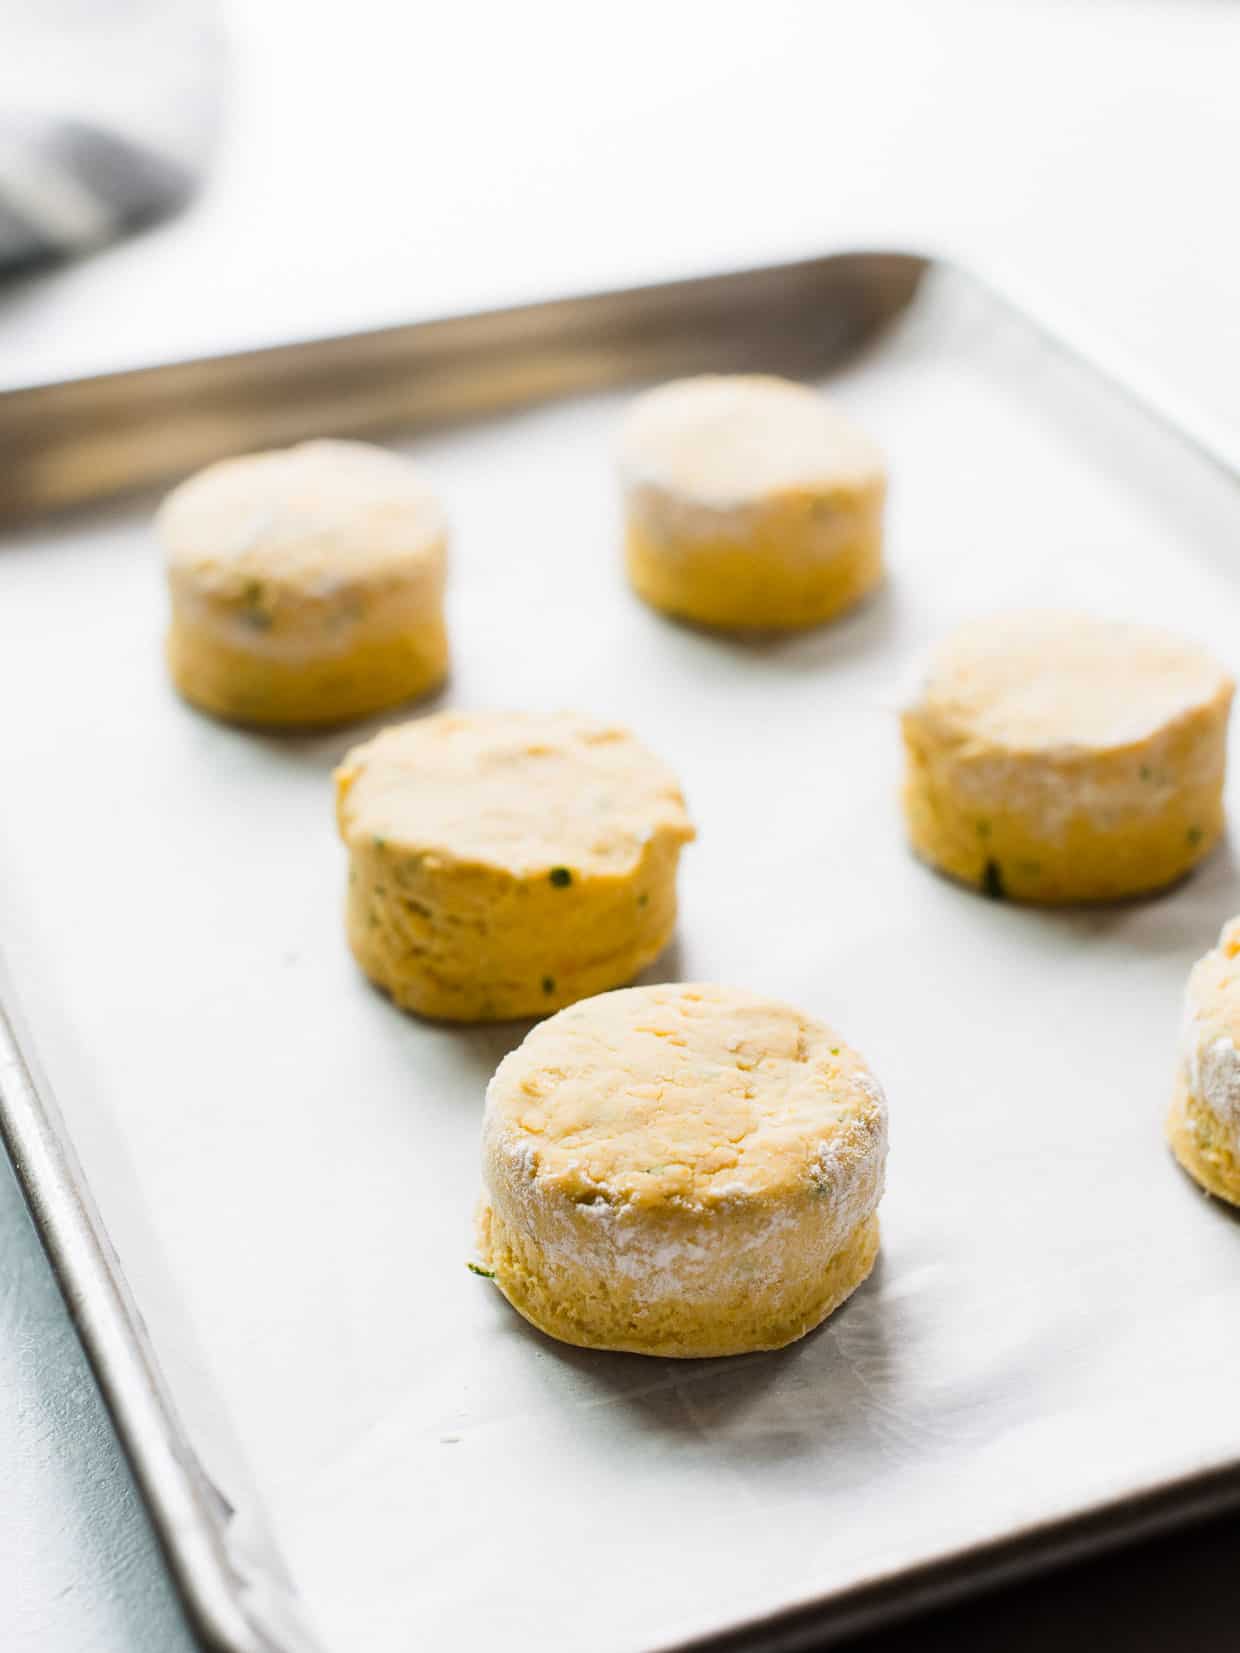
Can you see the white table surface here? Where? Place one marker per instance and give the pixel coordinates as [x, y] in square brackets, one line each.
[382, 162]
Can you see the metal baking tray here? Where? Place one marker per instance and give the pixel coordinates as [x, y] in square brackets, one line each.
[256, 1178]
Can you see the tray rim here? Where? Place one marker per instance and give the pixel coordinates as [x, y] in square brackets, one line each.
[391, 376]
[235, 1604]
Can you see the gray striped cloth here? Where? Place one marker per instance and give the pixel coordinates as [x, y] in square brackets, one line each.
[108, 112]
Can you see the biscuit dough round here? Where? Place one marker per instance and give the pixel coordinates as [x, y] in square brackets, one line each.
[306, 584]
[1203, 1126]
[1055, 757]
[504, 864]
[681, 1171]
[750, 503]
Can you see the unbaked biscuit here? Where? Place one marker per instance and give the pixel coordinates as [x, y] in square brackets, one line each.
[504, 864]
[750, 502]
[1203, 1126]
[306, 585]
[1055, 757]
[683, 1170]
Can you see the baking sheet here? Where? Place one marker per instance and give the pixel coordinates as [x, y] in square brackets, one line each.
[287, 1165]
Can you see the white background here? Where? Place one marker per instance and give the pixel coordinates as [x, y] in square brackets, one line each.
[381, 162]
